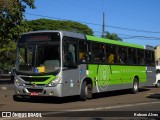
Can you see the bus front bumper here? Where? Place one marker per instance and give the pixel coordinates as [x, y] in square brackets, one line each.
[38, 91]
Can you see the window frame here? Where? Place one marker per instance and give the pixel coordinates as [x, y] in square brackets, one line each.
[74, 41]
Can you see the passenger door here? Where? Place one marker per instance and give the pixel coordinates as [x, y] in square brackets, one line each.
[70, 68]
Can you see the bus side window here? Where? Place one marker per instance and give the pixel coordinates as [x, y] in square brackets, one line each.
[148, 57]
[140, 56]
[84, 52]
[111, 54]
[122, 55]
[70, 57]
[132, 56]
[153, 56]
[98, 54]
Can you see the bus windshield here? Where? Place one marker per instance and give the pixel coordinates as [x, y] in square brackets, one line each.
[34, 57]
[38, 59]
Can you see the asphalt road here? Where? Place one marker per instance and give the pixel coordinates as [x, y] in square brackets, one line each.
[115, 105]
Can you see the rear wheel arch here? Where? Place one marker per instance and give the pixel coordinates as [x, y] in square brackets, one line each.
[86, 89]
[136, 78]
[88, 81]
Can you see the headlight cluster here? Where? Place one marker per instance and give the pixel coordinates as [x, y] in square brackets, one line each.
[54, 82]
[18, 82]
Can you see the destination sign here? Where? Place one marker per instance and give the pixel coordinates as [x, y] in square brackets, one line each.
[39, 38]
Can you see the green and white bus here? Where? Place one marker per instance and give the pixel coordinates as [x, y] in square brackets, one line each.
[61, 63]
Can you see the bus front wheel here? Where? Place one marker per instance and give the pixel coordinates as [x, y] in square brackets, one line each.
[18, 98]
[86, 91]
[135, 87]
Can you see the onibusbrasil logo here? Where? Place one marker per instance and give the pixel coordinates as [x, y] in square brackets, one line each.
[20, 114]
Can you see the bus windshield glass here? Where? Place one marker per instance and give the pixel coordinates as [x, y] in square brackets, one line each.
[38, 57]
[25, 59]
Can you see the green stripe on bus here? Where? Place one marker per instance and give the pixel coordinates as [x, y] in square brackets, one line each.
[103, 40]
[47, 81]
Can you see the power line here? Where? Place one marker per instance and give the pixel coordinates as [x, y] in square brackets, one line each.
[62, 19]
[116, 27]
[128, 29]
[133, 36]
[139, 36]
[44, 16]
[142, 37]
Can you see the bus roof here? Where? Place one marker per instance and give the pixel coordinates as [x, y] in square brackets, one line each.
[64, 33]
[104, 40]
[93, 38]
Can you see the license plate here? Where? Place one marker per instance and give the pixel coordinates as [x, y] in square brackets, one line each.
[33, 94]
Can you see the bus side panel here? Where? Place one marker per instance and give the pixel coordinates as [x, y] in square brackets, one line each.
[119, 87]
[129, 72]
[123, 76]
[115, 77]
[72, 80]
[70, 84]
[151, 75]
[104, 76]
[92, 73]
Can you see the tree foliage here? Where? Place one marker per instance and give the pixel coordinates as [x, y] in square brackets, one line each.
[47, 24]
[112, 36]
[11, 18]
[7, 55]
[11, 26]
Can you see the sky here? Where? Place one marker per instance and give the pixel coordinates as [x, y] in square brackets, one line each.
[135, 21]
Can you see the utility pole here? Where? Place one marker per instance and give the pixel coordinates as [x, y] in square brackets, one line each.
[103, 26]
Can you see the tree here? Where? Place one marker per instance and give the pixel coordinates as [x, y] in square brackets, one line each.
[112, 36]
[7, 55]
[11, 18]
[11, 26]
[48, 24]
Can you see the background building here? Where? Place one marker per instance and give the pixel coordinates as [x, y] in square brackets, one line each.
[157, 55]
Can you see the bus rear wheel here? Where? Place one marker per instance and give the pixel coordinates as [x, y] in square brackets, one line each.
[86, 91]
[135, 87]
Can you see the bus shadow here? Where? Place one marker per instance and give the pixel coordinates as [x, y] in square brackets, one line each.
[154, 96]
[57, 100]
[117, 93]
[150, 86]
[46, 99]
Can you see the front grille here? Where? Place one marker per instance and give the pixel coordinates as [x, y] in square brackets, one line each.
[34, 90]
[39, 85]
[33, 79]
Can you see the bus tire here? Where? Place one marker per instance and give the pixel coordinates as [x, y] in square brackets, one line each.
[86, 91]
[135, 87]
[89, 91]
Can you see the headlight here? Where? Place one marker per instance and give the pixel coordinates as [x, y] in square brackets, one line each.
[54, 82]
[18, 82]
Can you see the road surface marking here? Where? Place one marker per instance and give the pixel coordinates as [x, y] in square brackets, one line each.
[4, 88]
[113, 107]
